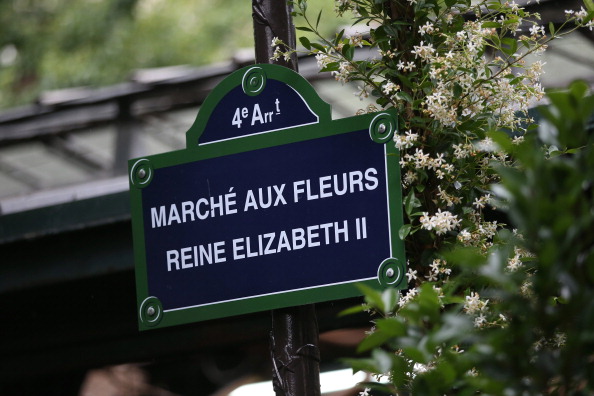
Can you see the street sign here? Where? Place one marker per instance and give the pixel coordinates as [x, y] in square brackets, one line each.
[271, 204]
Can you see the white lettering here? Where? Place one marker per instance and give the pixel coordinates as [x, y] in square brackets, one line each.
[373, 182]
[158, 219]
[257, 115]
[173, 215]
[311, 235]
[219, 250]
[202, 215]
[297, 190]
[188, 210]
[185, 257]
[237, 248]
[298, 235]
[172, 258]
[250, 201]
[279, 194]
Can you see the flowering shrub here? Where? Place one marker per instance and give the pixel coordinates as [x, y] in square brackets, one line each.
[457, 72]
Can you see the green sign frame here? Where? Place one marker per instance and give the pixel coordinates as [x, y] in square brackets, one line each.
[254, 82]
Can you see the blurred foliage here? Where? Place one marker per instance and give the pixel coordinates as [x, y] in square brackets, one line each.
[546, 345]
[52, 44]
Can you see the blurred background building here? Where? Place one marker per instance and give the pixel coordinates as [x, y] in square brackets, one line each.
[86, 85]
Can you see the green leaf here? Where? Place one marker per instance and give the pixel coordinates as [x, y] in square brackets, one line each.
[305, 42]
[416, 355]
[382, 360]
[502, 139]
[352, 310]
[332, 66]
[469, 257]
[357, 365]
[404, 231]
[404, 96]
[318, 19]
[389, 299]
[319, 47]
[411, 202]
[458, 90]
[509, 46]
[491, 24]
[338, 37]
[372, 296]
[392, 326]
[304, 29]
[374, 340]
[348, 51]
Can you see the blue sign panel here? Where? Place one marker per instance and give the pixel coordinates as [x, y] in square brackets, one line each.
[285, 218]
[265, 211]
[239, 114]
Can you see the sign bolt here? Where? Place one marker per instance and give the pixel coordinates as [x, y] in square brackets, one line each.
[142, 173]
[389, 272]
[150, 311]
[381, 128]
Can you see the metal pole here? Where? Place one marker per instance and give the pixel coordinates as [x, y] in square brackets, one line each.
[272, 18]
[294, 335]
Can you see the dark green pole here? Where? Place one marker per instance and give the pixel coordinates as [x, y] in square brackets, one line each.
[294, 335]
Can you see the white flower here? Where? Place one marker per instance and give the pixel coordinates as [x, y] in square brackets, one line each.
[363, 92]
[514, 7]
[410, 275]
[536, 30]
[473, 304]
[390, 88]
[480, 321]
[405, 141]
[356, 40]
[435, 266]
[465, 237]
[323, 60]
[517, 140]
[409, 296]
[427, 28]
[581, 14]
[277, 53]
[343, 73]
[560, 339]
[480, 203]
[423, 51]
[514, 263]
[365, 392]
[441, 222]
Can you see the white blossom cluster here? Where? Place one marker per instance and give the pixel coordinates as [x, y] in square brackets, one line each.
[408, 297]
[437, 268]
[421, 160]
[344, 71]
[477, 308]
[579, 16]
[441, 222]
[405, 141]
[467, 84]
[517, 261]
[480, 236]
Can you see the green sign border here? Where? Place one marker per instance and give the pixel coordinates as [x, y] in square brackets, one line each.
[381, 127]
